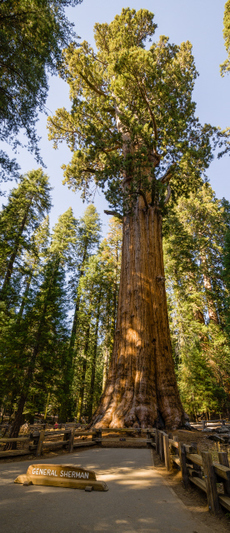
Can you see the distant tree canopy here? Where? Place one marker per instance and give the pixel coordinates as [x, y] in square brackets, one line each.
[197, 271]
[32, 35]
[58, 300]
[225, 67]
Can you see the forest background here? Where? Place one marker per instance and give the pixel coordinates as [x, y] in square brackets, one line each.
[93, 270]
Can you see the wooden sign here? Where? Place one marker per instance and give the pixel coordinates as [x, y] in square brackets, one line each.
[69, 476]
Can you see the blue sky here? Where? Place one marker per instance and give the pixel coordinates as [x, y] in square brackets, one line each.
[200, 22]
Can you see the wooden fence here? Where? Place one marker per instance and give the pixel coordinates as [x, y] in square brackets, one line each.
[197, 468]
[211, 424]
[39, 442]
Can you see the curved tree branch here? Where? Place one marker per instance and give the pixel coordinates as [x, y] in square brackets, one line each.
[93, 87]
[145, 97]
[144, 198]
[167, 176]
[169, 192]
[114, 214]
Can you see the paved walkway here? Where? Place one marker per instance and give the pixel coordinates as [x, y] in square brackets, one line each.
[138, 500]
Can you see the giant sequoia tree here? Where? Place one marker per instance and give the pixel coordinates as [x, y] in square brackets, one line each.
[133, 131]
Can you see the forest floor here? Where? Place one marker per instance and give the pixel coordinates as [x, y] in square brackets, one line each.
[193, 498]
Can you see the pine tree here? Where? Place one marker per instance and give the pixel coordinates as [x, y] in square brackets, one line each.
[33, 33]
[110, 251]
[98, 288]
[45, 320]
[194, 239]
[13, 325]
[27, 206]
[87, 239]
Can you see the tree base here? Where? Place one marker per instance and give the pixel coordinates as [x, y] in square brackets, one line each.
[140, 416]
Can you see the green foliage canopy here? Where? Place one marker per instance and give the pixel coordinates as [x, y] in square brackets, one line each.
[132, 117]
[195, 231]
[32, 35]
[225, 67]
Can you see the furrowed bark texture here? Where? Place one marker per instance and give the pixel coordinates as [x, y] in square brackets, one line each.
[141, 388]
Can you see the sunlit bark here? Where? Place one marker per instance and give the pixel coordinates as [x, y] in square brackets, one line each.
[141, 389]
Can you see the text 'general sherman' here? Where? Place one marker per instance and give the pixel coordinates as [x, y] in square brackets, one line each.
[63, 473]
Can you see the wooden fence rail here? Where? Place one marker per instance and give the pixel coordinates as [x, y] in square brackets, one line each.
[206, 424]
[196, 468]
[40, 441]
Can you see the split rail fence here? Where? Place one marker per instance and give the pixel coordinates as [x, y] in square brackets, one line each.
[42, 441]
[197, 468]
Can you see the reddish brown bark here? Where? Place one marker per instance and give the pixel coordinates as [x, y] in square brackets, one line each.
[141, 388]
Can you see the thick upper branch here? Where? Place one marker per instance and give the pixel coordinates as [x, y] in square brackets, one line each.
[167, 176]
[92, 86]
[145, 97]
[114, 214]
[169, 192]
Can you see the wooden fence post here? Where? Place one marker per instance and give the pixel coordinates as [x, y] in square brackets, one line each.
[210, 479]
[97, 435]
[196, 468]
[166, 451]
[71, 441]
[184, 469]
[67, 437]
[40, 443]
[161, 446]
[157, 441]
[223, 460]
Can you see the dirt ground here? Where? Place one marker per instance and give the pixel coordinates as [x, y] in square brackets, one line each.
[193, 498]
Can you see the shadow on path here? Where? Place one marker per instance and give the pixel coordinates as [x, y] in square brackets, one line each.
[138, 501]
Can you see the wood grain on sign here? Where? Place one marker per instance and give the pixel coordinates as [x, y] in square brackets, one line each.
[69, 476]
[61, 471]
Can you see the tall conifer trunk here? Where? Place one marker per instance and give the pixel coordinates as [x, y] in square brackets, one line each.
[141, 389]
[9, 269]
[137, 105]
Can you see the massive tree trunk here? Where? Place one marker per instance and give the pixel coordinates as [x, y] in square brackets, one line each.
[141, 388]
